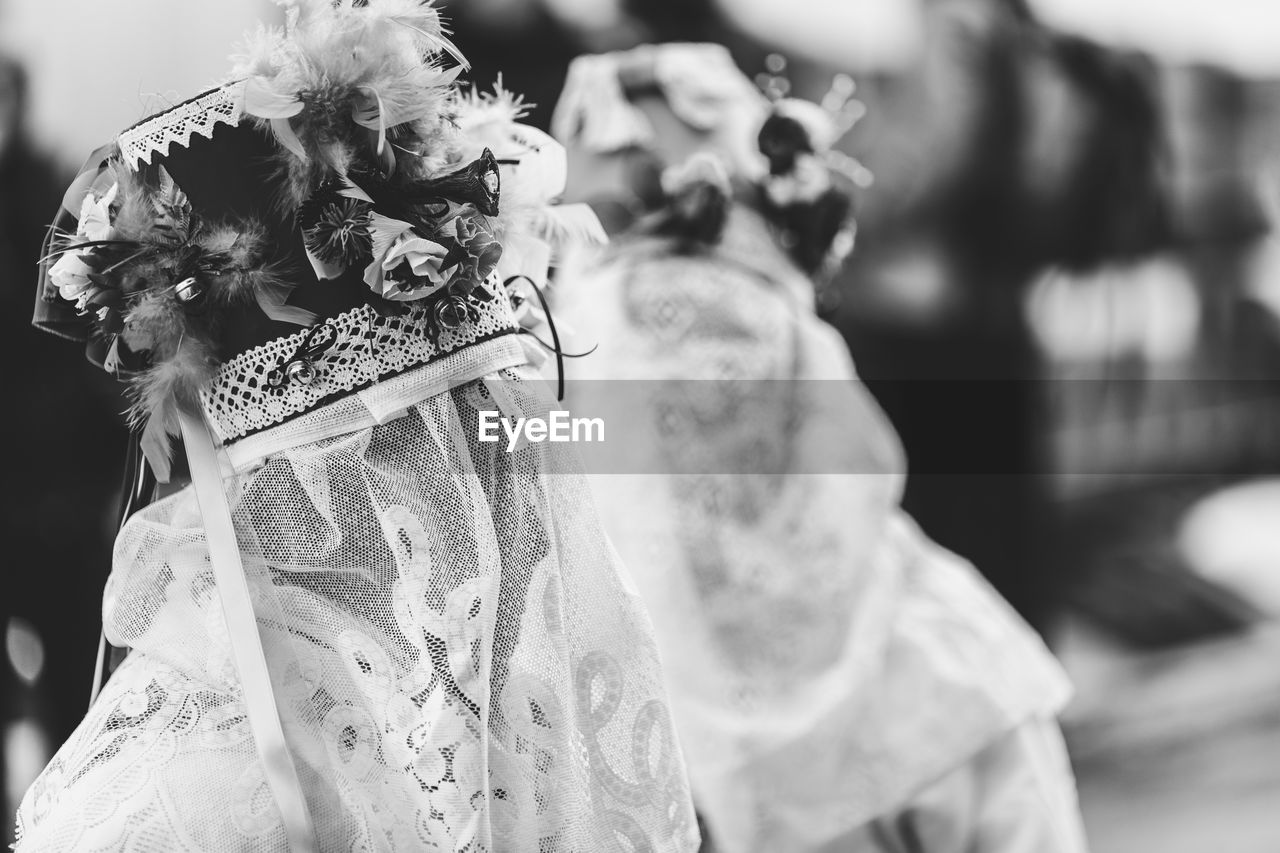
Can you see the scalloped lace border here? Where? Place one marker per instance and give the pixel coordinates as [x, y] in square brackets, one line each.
[201, 115]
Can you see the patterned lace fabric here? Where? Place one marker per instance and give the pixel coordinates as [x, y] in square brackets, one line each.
[826, 661]
[458, 663]
[368, 347]
[199, 116]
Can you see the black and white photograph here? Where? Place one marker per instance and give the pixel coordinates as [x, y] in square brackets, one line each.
[640, 426]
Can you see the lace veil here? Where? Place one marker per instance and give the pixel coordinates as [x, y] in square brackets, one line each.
[451, 653]
[826, 661]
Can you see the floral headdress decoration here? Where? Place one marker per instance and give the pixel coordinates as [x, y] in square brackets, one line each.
[808, 190]
[388, 168]
[155, 279]
[761, 145]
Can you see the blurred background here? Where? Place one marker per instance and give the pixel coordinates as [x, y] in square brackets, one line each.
[1066, 295]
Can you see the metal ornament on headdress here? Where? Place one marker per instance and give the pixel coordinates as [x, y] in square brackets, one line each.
[188, 290]
[479, 184]
[300, 368]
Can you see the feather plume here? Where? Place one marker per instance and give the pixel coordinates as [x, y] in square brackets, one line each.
[155, 324]
[178, 378]
[566, 225]
[240, 246]
[250, 246]
[473, 108]
[141, 275]
[159, 391]
[222, 239]
[424, 20]
[372, 67]
[240, 286]
[135, 214]
[172, 209]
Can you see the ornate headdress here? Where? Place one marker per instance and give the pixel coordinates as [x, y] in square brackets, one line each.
[343, 227]
[342, 212]
[780, 150]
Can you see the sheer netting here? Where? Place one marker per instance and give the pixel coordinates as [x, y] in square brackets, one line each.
[458, 664]
[826, 661]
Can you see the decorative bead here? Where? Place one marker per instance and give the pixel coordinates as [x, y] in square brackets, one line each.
[302, 372]
[189, 289]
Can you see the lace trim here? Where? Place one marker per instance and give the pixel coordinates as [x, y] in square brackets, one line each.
[369, 347]
[200, 115]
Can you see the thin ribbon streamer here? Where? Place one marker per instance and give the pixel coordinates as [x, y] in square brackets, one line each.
[554, 346]
[242, 632]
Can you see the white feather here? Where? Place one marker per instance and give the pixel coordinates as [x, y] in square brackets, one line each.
[566, 225]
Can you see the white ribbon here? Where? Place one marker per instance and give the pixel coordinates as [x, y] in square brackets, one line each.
[242, 632]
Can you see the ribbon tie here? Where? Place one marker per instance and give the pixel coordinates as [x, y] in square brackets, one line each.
[554, 346]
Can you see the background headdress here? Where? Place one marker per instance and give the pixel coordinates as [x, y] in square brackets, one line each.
[700, 83]
[777, 152]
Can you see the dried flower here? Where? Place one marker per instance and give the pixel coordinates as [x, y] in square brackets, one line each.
[340, 233]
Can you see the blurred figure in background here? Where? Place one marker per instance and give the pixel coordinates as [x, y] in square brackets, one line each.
[57, 539]
[839, 683]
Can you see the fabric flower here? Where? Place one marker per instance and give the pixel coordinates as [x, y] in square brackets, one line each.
[71, 276]
[71, 273]
[410, 269]
[481, 253]
[95, 216]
